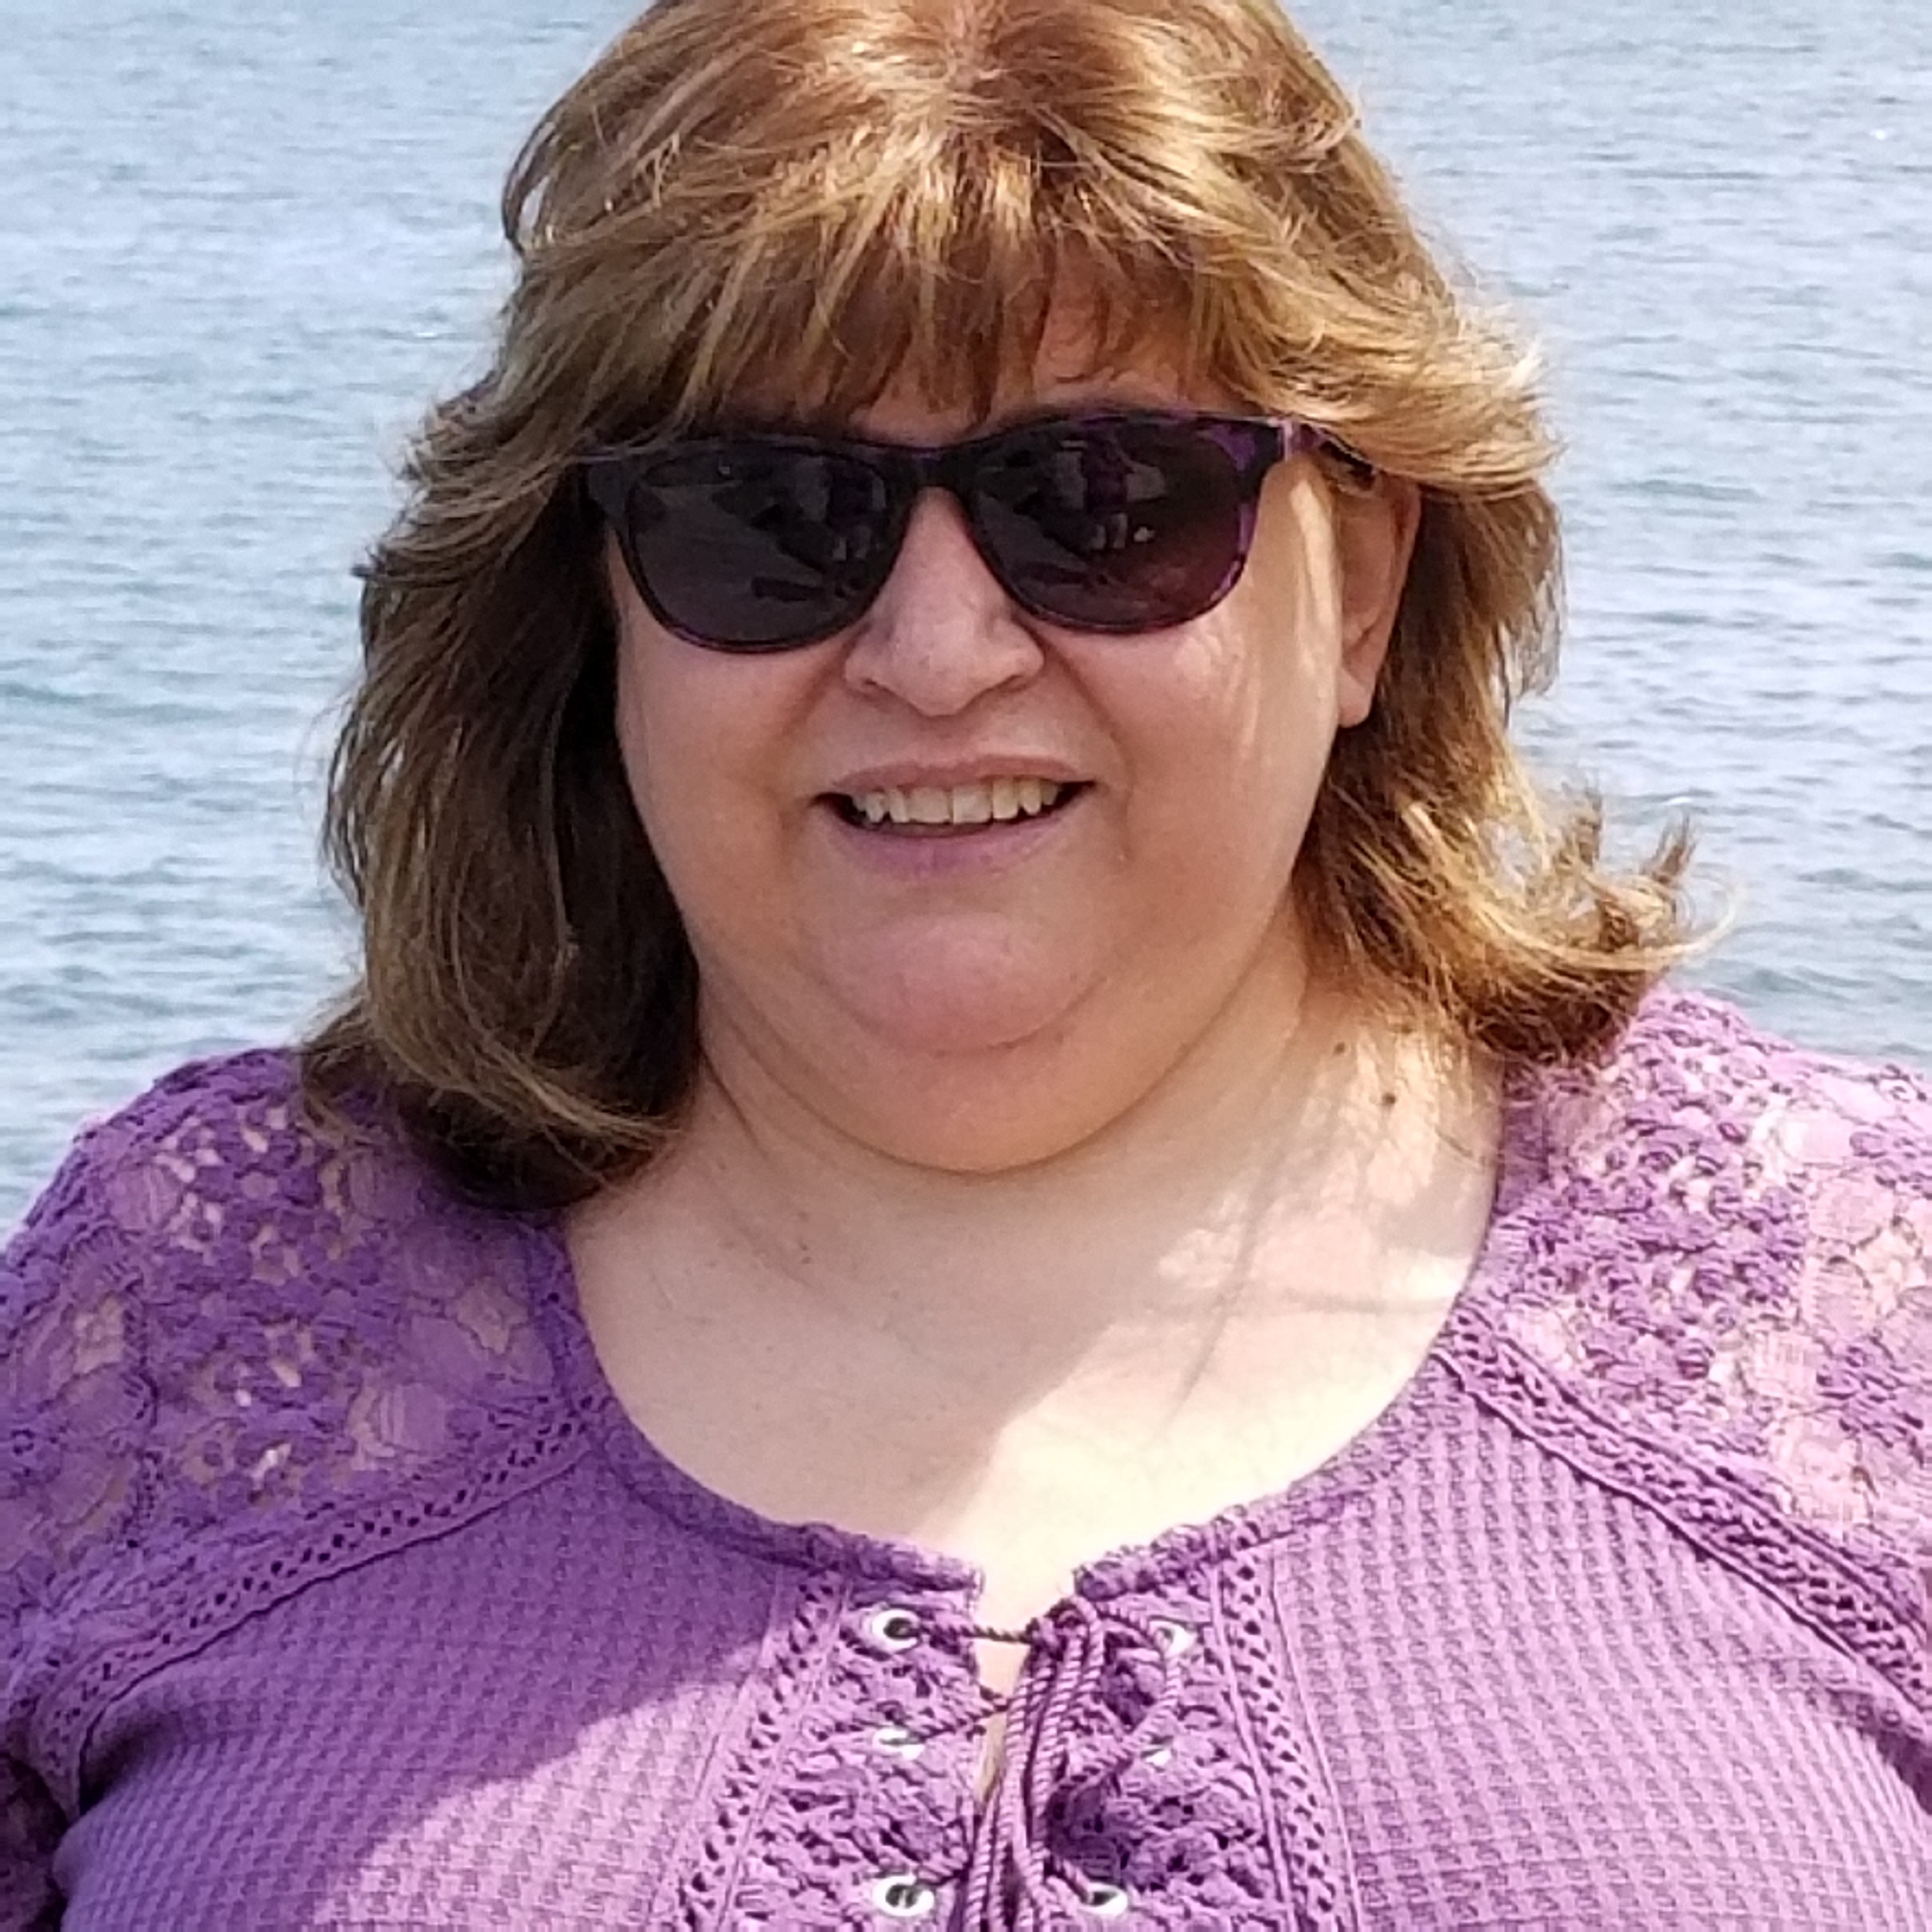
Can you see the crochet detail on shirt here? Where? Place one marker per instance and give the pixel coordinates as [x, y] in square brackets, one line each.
[873, 1754]
[220, 1321]
[1309, 1845]
[1227, 1820]
[1727, 1253]
[1217, 1812]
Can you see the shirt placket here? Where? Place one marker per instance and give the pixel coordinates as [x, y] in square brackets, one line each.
[1067, 1742]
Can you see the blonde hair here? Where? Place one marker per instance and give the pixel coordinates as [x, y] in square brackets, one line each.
[807, 200]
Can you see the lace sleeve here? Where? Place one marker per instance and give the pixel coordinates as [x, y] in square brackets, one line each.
[1739, 1261]
[1846, 1378]
[138, 1305]
[68, 1294]
[236, 1353]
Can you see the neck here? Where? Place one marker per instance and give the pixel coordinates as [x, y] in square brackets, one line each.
[1224, 1192]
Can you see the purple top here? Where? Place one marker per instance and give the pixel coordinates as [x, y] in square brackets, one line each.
[339, 1591]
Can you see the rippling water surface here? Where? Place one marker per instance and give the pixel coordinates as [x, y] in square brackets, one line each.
[243, 245]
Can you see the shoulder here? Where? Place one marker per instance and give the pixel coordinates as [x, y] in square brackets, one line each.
[1801, 1181]
[1729, 1239]
[222, 1312]
[1690, 1064]
[1702, 1126]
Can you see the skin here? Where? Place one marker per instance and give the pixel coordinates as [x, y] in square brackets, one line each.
[1030, 1207]
[907, 1016]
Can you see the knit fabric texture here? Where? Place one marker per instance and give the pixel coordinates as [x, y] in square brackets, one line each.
[337, 1590]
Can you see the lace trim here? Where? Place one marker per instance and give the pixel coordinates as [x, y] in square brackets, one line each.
[851, 1768]
[1306, 1840]
[773, 1697]
[1727, 1245]
[159, 1615]
[1726, 1259]
[1222, 1819]
[1847, 1602]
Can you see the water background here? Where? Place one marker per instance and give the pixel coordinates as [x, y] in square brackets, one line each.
[243, 244]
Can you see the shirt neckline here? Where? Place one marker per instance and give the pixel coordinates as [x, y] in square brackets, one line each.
[1362, 1463]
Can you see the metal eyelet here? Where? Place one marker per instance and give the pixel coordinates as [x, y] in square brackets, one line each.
[895, 1741]
[1175, 1639]
[894, 1627]
[903, 1895]
[1106, 1901]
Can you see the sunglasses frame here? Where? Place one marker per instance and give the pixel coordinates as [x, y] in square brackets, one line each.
[1254, 446]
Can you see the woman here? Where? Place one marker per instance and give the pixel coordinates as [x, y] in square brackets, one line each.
[1000, 1235]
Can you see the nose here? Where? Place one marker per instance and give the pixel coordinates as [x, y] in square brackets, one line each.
[942, 633]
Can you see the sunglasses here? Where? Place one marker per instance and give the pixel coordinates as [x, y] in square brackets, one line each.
[1115, 521]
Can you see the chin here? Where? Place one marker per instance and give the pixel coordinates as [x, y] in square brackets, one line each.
[932, 1033]
[959, 995]
[963, 1093]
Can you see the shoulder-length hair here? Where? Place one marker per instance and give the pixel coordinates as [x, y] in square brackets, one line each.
[809, 199]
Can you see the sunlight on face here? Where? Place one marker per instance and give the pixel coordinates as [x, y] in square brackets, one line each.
[980, 995]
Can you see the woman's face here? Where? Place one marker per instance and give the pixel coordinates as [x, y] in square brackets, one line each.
[982, 996]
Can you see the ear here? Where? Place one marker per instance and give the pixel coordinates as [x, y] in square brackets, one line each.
[1375, 528]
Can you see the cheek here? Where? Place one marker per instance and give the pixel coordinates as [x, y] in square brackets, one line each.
[695, 731]
[1236, 738]
[648, 737]
[1266, 689]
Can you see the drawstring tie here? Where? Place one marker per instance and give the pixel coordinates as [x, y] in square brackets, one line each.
[1016, 1882]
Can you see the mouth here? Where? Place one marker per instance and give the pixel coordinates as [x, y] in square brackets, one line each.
[923, 811]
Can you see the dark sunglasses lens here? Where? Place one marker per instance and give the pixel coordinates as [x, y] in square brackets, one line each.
[748, 546]
[1127, 526]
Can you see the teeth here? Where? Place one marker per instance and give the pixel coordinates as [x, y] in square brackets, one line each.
[998, 800]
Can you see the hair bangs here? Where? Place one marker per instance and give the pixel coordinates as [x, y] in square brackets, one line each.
[880, 263]
[959, 314]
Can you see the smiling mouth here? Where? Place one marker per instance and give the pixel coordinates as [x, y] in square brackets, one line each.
[929, 811]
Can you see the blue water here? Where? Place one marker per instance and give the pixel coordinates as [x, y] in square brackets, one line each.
[243, 245]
